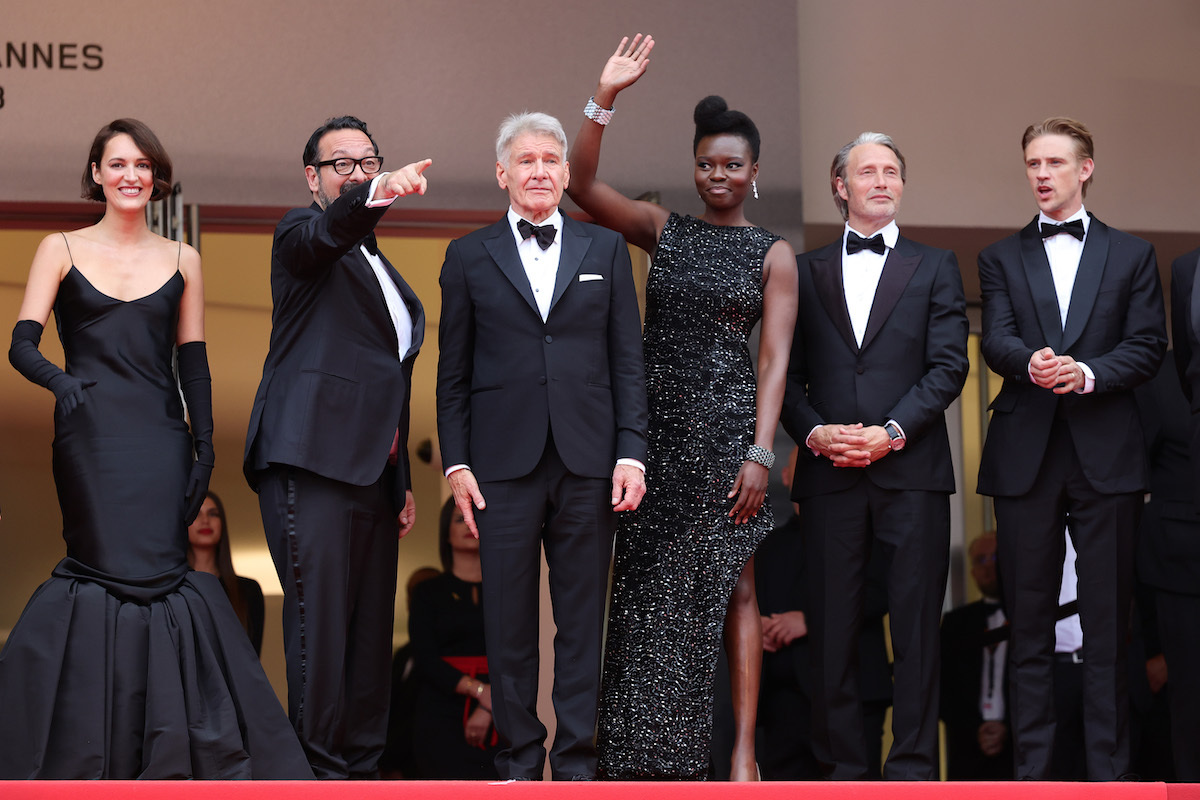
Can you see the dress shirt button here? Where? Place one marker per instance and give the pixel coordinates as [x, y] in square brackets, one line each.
[549, 338]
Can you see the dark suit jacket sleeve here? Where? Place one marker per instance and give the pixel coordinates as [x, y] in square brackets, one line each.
[798, 416]
[1140, 350]
[456, 345]
[1183, 276]
[1002, 346]
[626, 364]
[308, 242]
[946, 362]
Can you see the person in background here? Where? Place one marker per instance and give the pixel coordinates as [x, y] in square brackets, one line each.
[974, 682]
[455, 736]
[209, 551]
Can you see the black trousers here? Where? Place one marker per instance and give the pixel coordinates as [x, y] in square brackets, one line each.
[1031, 548]
[913, 529]
[334, 546]
[572, 518]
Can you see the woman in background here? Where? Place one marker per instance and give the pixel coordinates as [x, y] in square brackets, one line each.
[209, 551]
[456, 739]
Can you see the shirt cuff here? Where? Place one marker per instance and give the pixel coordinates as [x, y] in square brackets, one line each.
[387, 201]
[455, 468]
[631, 462]
[1089, 379]
[808, 440]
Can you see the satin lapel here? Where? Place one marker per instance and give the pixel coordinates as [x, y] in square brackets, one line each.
[827, 278]
[415, 310]
[575, 244]
[1041, 285]
[898, 270]
[1087, 282]
[1196, 299]
[503, 250]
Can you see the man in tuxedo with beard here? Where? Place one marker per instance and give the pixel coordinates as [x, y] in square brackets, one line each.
[327, 449]
[1073, 321]
[880, 351]
[542, 422]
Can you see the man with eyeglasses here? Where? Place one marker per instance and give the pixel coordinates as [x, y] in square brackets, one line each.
[327, 446]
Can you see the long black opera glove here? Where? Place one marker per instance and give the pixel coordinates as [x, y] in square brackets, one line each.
[196, 382]
[28, 360]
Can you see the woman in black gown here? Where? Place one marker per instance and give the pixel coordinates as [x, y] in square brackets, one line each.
[683, 576]
[125, 664]
[455, 737]
[209, 551]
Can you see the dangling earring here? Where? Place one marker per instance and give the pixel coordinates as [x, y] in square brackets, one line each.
[754, 186]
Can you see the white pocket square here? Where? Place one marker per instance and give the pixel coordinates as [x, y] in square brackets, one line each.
[587, 276]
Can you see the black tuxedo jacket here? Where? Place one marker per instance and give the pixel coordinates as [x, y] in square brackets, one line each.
[911, 366]
[334, 391]
[1115, 325]
[507, 380]
[1168, 547]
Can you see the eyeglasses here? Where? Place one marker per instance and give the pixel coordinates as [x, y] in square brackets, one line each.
[980, 560]
[345, 166]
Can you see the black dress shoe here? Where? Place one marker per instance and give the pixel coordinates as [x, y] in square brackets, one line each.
[583, 777]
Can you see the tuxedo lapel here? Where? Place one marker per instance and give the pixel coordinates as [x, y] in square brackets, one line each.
[827, 280]
[898, 270]
[575, 244]
[503, 250]
[1041, 285]
[1087, 282]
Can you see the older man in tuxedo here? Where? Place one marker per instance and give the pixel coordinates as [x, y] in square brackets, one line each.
[542, 421]
[327, 447]
[1073, 321]
[880, 351]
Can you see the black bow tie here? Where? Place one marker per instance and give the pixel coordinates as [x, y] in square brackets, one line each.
[543, 233]
[854, 243]
[1074, 228]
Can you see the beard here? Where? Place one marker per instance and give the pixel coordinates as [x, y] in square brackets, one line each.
[323, 197]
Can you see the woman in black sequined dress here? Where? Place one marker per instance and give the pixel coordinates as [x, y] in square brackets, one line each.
[683, 577]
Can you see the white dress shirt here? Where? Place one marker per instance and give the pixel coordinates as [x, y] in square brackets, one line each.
[1063, 252]
[860, 276]
[541, 266]
[397, 308]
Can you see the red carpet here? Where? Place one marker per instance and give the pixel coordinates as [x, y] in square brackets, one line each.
[462, 790]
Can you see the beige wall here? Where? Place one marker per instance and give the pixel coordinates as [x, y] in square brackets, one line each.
[956, 82]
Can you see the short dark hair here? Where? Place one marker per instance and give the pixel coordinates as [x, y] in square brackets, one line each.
[712, 116]
[1074, 130]
[334, 124]
[145, 140]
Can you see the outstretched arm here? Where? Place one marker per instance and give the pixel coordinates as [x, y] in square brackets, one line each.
[638, 221]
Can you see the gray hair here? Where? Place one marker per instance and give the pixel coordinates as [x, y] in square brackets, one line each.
[515, 125]
[838, 170]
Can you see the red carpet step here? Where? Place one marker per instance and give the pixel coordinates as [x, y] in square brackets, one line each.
[479, 790]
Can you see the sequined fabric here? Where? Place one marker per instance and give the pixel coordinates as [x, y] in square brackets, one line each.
[678, 557]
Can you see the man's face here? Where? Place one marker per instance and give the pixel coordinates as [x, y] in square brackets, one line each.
[1056, 174]
[535, 176]
[872, 187]
[325, 184]
[983, 566]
